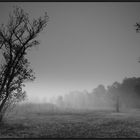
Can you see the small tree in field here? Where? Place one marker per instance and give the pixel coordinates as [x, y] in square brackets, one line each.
[115, 94]
[16, 39]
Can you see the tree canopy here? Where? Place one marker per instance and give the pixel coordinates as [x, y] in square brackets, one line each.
[17, 37]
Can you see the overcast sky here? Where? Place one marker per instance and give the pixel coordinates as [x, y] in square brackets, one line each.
[84, 44]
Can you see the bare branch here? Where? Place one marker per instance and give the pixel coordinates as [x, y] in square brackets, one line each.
[15, 39]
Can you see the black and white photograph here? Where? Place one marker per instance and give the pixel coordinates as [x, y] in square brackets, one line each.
[69, 70]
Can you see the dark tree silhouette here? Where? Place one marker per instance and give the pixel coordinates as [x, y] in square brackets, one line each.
[16, 39]
[137, 25]
[130, 89]
[137, 89]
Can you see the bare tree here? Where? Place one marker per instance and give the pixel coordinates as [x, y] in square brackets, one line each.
[16, 39]
[137, 26]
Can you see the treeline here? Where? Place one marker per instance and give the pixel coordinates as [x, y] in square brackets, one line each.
[118, 96]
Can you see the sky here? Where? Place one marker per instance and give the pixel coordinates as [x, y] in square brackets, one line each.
[84, 45]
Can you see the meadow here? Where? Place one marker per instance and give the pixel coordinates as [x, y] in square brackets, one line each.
[28, 123]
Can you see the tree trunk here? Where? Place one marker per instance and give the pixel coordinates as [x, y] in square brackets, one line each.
[1, 117]
[117, 105]
[1, 108]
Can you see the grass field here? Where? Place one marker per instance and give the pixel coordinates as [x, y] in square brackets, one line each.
[87, 124]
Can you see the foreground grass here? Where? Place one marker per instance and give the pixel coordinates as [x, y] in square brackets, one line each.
[90, 124]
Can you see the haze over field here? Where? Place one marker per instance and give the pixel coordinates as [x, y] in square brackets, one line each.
[84, 45]
[86, 67]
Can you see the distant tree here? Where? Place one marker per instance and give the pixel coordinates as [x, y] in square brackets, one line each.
[130, 89]
[16, 39]
[137, 89]
[60, 101]
[128, 92]
[114, 91]
[100, 90]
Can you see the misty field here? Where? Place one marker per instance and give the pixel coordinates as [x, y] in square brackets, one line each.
[74, 124]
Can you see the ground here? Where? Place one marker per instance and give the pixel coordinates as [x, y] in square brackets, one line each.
[87, 124]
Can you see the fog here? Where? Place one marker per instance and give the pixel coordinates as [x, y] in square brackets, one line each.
[124, 95]
[84, 45]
